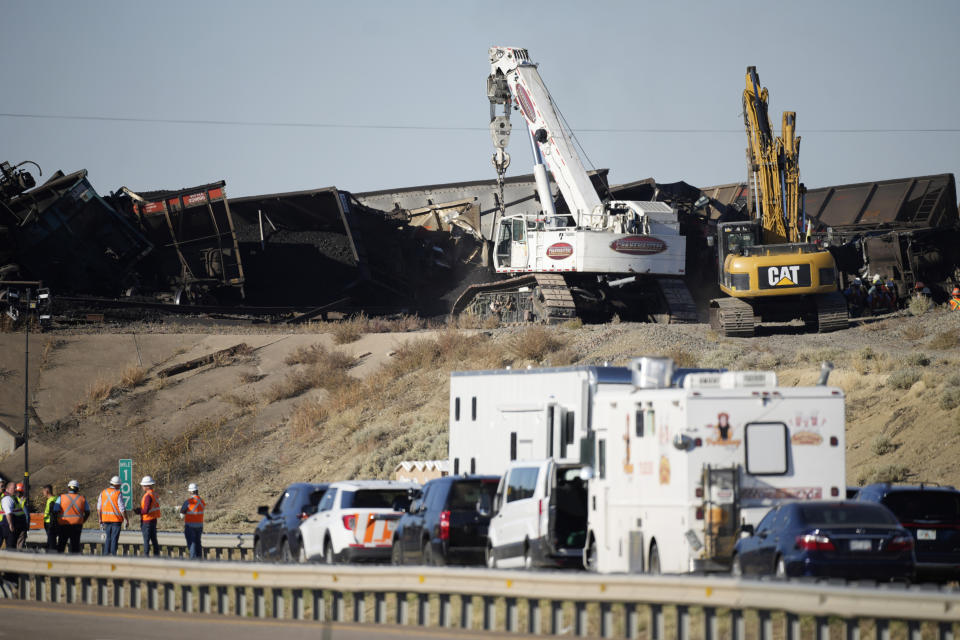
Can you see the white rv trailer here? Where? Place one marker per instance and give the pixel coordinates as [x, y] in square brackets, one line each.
[497, 417]
[678, 467]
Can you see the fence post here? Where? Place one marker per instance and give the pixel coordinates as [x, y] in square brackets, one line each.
[169, 597]
[223, 600]
[580, 618]
[319, 606]
[359, 606]
[380, 607]
[403, 608]
[534, 616]
[297, 604]
[279, 606]
[466, 611]
[656, 622]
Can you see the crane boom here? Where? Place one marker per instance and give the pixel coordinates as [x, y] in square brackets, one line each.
[515, 80]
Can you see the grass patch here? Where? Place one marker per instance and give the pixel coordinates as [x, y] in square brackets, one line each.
[869, 361]
[573, 323]
[534, 343]
[886, 473]
[913, 332]
[326, 369]
[919, 305]
[950, 398]
[133, 376]
[944, 340]
[882, 445]
[904, 379]
[247, 377]
[203, 446]
[915, 360]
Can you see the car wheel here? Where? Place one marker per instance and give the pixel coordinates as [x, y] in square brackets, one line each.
[286, 556]
[736, 569]
[302, 553]
[781, 569]
[328, 553]
[654, 564]
[396, 553]
[527, 556]
[257, 550]
[491, 558]
[590, 555]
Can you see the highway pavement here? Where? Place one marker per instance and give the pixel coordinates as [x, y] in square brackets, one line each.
[78, 622]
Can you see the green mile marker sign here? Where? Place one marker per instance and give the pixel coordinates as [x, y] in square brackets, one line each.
[126, 482]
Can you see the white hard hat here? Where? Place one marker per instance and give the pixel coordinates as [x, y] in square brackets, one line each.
[73, 484]
[192, 487]
[147, 481]
[115, 480]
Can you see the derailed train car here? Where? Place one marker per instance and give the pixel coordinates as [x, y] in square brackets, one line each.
[66, 235]
[906, 230]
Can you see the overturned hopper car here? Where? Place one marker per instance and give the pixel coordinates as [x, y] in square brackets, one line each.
[64, 234]
[906, 230]
[196, 257]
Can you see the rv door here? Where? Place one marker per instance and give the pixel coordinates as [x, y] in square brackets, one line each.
[721, 511]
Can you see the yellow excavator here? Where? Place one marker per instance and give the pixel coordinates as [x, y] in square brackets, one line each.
[768, 270]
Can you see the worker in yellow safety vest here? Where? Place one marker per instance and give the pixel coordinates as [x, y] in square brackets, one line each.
[112, 512]
[71, 510]
[49, 522]
[192, 514]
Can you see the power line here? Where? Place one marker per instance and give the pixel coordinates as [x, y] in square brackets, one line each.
[400, 127]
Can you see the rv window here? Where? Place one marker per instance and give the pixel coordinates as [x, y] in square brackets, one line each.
[513, 445]
[456, 410]
[568, 428]
[522, 483]
[456, 466]
[639, 427]
[519, 231]
[473, 408]
[551, 410]
[473, 466]
[602, 458]
[765, 445]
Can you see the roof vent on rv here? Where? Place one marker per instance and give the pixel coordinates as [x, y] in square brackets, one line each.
[737, 379]
[651, 373]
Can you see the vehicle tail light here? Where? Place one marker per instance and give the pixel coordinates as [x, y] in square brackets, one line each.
[349, 522]
[698, 492]
[444, 525]
[813, 542]
[900, 543]
[834, 492]
[699, 513]
[304, 515]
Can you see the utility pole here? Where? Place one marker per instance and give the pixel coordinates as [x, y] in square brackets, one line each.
[26, 404]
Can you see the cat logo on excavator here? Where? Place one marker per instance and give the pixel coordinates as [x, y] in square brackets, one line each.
[784, 276]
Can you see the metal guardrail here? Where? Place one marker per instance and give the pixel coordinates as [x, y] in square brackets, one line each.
[536, 602]
[173, 544]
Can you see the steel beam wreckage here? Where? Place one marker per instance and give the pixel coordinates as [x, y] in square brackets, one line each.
[511, 249]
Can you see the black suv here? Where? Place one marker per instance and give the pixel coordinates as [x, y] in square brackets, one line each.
[443, 524]
[275, 538]
[932, 516]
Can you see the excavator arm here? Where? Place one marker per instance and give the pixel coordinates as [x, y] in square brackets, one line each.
[773, 163]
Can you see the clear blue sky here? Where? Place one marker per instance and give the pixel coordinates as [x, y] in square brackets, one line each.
[400, 86]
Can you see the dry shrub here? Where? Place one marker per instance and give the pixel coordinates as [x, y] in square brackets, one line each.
[913, 332]
[869, 361]
[306, 416]
[817, 356]
[681, 357]
[201, 447]
[133, 376]
[919, 305]
[350, 330]
[99, 391]
[49, 347]
[945, 340]
[882, 446]
[247, 377]
[245, 401]
[915, 360]
[573, 323]
[950, 398]
[5, 373]
[888, 473]
[904, 379]
[534, 343]
[241, 353]
[562, 358]
[325, 369]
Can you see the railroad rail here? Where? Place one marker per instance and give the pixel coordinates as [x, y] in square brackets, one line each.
[538, 602]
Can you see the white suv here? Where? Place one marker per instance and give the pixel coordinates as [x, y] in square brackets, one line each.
[539, 516]
[355, 521]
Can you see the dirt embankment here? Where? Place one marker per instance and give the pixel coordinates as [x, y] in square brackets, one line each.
[330, 402]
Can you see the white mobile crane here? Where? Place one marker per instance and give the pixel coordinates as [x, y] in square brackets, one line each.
[625, 257]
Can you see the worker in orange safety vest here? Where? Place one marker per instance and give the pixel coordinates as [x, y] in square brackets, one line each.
[149, 511]
[955, 299]
[192, 514]
[71, 512]
[112, 513]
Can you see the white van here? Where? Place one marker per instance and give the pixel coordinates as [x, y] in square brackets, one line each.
[539, 516]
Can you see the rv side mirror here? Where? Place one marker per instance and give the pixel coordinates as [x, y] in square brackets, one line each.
[586, 473]
[263, 510]
[413, 506]
[746, 529]
[484, 505]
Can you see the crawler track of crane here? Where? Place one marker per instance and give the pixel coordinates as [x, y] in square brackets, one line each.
[553, 304]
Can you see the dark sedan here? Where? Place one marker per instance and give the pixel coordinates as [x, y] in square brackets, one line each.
[275, 538]
[854, 540]
[932, 516]
[443, 524]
